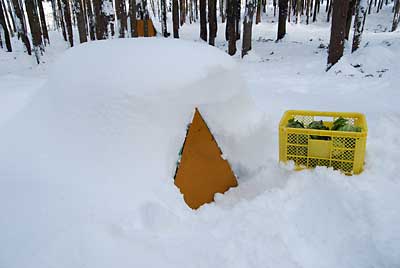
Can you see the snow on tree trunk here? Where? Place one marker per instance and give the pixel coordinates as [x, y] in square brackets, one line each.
[175, 18]
[21, 26]
[336, 44]
[78, 10]
[212, 21]
[359, 21]
[68, 21]
[203, 20]
[283, 10]
[43, 23]
[396, 17]
[247, 26]
[3, 29]
[231, 26]
[55, 17]
[132, 18]
[34, 24]
[164, 18]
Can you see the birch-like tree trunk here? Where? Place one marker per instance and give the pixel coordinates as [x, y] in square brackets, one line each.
[12, 15]
[164, 18]
[248, 25]
[359, 21]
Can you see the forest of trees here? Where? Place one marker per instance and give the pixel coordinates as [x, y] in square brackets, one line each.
[102, 19]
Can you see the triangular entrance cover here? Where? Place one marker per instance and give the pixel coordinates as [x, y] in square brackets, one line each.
[202, 171]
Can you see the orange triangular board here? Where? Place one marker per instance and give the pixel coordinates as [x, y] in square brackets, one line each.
[202, 172]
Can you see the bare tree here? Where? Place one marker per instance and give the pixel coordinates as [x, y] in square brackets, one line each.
[222, 10]
[283, 10]
[396, 17]
[164, 18]
[34, 24]
[175, 18]
[182, 6]
[3, 27]
[359, 21]
[68, 22]
[258, 13]
[12, 15]
[7, 19]
[132, 16]
[91, 19]
[350, 12]
[336, 44]
[21, 25]
[247, 26]
[43, 23]
[231, 26]
[78, 10]
[100, 19]
[203, 20]
[212, 21]
[120, 10]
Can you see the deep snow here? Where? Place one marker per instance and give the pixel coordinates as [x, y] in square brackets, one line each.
[89, 142]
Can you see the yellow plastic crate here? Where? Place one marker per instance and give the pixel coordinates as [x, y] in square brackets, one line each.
[341, 150]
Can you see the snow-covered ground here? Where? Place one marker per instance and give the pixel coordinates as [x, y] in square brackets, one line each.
[89, 140]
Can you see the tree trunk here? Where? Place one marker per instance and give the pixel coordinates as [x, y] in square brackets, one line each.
[43, 23]
[34, 24]
[175, 18]
[316, 8]
[247, 26]
[3, 25]
[68, 21]
[396, 17]
[231, 26]
[62, 23]
[77, 6]
[274, 3]
[21, 25]
[283, 10]
[100, 19]
[359, 21]
[7, 19]
[132, 15]
[350, 12]
[203, 20]
[258, 14]
[91, 21]
[12, 15]
[182, 12]
[164, 18]
[298, 11]
[212, 21]
[120, 9]
[222, 10]
[238, 11]
[329, 11]
[337, 31]
[308, 11]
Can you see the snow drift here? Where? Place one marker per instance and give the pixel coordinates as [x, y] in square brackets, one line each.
[86, 173]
